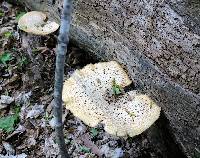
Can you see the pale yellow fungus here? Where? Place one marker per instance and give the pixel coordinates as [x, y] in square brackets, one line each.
[86, 94]
[35, 22]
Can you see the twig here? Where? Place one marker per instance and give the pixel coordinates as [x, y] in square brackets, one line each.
[63, 40]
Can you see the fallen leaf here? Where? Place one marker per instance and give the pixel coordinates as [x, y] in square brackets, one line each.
[6, 99]
[31, 141]
[20, 129]
[3, 30]
[36, 111]
[88, 143]
[23, 97]
[14, 78]
[106, 150]
[118, 152]
[9, 148]
[12, 156]
[3, 106]
[50, 147]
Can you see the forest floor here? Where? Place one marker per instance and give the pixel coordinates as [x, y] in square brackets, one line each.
[26, 88]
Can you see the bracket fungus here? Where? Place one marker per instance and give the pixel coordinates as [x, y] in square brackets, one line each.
[35, 22]
[88, 95]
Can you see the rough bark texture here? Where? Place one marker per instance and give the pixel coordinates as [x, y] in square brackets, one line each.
[63, 40]
[159, 44]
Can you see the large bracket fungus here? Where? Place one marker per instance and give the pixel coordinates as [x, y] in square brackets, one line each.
[88, 95]
[36, 23]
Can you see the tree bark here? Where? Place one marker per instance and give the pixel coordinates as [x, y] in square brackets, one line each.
[63, 40]
[157, 41]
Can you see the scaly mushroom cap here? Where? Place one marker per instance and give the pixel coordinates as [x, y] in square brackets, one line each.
[86, 95]
[34, 22]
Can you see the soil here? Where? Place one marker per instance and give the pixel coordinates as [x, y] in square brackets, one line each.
[28, 78]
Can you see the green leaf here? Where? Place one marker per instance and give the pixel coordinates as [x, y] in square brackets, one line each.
[116, 88]
[67, 141]
[84, 149]
[94, 132]
[35, 50]
[196, 153]
[7, 123]
[5, 57]
[20, 15]
[7, 34]
[1, 13]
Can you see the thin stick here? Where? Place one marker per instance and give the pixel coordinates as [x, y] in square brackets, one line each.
[63, 40]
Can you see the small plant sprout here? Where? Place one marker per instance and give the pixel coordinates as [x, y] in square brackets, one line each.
[116, 88]
[128, 115]
[85, 149]
[47, 117]
[94, 132]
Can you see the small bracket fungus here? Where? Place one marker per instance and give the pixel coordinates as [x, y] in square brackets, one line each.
[87, 95]
[36, 23]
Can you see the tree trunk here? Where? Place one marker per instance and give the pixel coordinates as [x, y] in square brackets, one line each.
[157, 41]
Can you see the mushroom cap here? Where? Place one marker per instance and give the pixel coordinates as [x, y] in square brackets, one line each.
[34, 22]
[87, 95]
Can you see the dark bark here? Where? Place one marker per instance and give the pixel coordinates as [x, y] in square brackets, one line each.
[63, 41]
